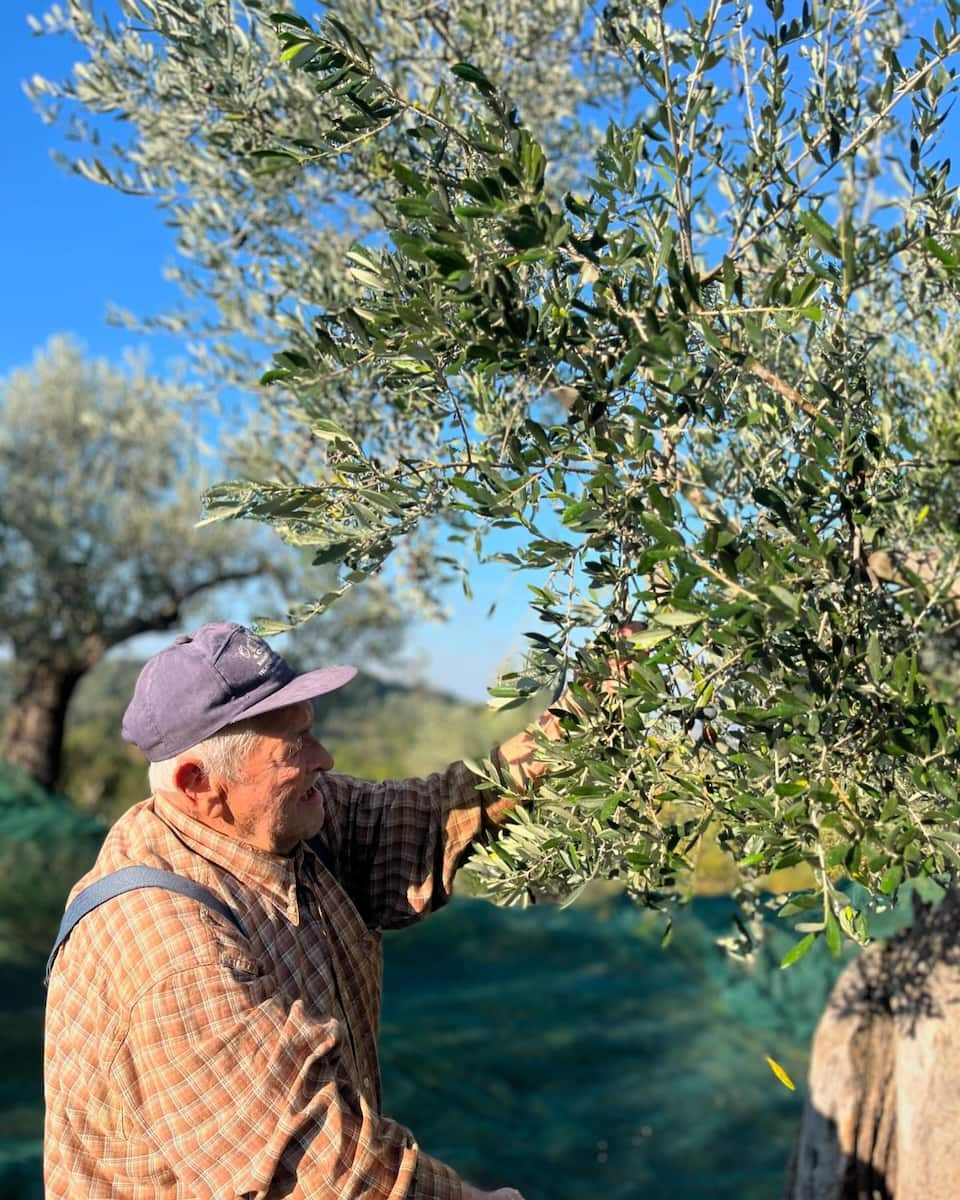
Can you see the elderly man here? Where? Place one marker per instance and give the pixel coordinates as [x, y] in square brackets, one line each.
[221, 1044]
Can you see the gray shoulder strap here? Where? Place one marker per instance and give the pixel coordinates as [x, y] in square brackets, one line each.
[129, 879]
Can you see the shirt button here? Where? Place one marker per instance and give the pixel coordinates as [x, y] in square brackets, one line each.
[366, 1081]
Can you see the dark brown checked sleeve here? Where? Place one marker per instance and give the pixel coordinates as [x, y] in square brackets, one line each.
[397, 844]
[245, 1092]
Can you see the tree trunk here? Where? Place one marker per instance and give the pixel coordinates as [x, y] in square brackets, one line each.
[883, 1108]
[33, 731]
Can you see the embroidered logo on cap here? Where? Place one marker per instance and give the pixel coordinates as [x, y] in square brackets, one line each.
[255, 650]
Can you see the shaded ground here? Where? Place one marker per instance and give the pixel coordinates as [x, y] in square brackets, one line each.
[21, 1016]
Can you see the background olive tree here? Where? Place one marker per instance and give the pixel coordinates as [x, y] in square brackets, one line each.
[99, 467]
[707, 378]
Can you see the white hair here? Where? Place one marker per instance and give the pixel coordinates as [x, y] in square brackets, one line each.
[222, 752]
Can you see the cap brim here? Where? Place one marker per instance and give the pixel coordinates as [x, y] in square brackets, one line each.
[305, 687]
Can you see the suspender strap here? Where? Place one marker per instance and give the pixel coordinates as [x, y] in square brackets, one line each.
[129, 879]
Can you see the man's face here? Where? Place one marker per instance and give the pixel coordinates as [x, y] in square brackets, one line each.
[275, 804]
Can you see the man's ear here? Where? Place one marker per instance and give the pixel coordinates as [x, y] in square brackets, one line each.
[203, 791]
[190, 777]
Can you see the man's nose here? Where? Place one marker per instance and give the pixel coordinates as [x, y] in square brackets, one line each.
[320, 757]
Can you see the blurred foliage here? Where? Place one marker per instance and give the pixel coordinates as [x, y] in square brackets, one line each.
[387, 731]
[45, 846]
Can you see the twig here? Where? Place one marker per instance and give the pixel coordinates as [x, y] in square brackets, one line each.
[680, 199]
[908, 86]
[719, 576]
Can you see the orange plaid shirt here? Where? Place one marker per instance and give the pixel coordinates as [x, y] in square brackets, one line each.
[184, 1061]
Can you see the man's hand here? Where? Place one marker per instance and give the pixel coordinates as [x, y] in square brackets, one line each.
[516, 754]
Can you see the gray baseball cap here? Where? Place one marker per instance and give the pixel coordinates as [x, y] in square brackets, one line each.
[206, 680]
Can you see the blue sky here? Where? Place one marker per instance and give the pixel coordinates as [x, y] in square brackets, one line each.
[69, 248]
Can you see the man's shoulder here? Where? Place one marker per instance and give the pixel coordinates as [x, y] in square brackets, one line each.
[134, 940]
[135, 836]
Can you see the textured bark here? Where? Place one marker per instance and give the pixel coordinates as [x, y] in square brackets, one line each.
[882, 1113]
[33, 731]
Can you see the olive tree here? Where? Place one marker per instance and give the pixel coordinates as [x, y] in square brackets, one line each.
[705, 378]
[99, 482]
[711, 387]
[101, 474]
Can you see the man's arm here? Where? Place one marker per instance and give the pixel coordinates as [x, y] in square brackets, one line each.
[397, 845]
[242, 1093]
[517, 754]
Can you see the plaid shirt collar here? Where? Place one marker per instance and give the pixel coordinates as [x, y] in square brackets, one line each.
[271, 875]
